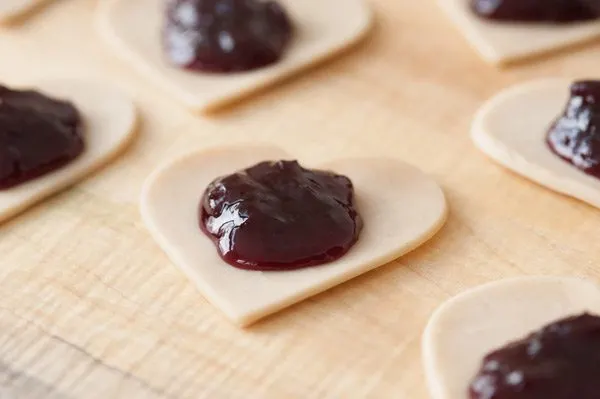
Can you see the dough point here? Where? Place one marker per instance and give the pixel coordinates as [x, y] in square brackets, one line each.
[133, 28]
[500, 43]
[109, 118]
[11, 10]
[467, 327]
[516, 139]
[401, 208]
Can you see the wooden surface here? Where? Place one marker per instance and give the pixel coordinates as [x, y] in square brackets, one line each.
[91, 308]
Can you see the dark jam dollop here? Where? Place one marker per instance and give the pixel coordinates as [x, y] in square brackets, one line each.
[560, 361]
[575, 136]
[546, 11]
[38, 135]
[225, 35]
[280, 216]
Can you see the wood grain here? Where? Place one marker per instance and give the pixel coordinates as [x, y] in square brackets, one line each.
[91, 308]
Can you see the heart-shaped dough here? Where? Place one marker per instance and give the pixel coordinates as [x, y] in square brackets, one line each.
[467, 327]
[10, 10]
[502, 42]
[110, 119]
[511, 128]
[401, 208]
[324, 28]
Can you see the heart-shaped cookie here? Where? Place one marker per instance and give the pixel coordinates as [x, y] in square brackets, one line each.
[109, 118]
[11, 10]
[324, 28]
[502, 42]
[401, 208]
[511, 128]
[465, 328]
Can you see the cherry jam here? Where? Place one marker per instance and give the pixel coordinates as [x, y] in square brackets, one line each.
[280, 216]
[225, 35]
[575, 136]
[546, 11]
[560, 361]
[38, 135]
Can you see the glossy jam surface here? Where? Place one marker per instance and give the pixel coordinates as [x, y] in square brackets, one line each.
[38, 135]
[560, 361]
[280, 216]
[225, 35]
[547, 11]
[575, 136]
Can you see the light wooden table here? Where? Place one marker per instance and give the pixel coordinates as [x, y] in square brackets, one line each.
[91, 308]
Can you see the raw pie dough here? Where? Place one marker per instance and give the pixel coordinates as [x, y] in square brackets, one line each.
[501, 42]
[466, 328]
[11, 10]
[109, 118]
[325, 27]
[511, 128]
[402, 208]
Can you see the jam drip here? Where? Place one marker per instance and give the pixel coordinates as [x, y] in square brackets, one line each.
[560, 361]
[280, 216]
[38, 135]
[225, 35]
[549, 11]
[575, 136]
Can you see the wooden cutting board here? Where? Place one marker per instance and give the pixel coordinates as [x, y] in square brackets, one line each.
[91, 308]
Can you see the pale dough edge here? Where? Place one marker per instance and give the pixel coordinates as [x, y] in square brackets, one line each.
[25, 11]
[480, 46]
